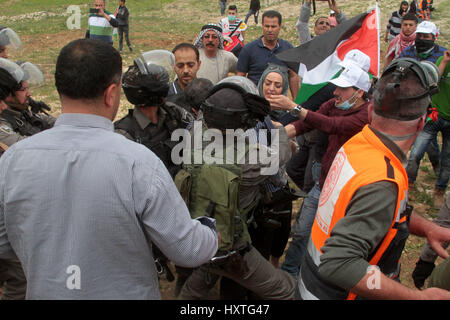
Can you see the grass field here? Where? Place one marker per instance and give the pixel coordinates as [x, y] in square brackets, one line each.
[161, 24]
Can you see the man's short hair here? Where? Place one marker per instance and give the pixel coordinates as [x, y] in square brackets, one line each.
[232, 7]
[185, 45]
[196, 92]
[410, 16]
[86, 67]
[272, 14]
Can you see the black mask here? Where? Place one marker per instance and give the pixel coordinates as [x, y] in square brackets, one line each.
[423, 45]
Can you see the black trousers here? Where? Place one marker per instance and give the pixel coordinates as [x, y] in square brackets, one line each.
[122, 30]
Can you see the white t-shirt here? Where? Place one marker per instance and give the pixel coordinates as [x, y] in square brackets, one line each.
[217, 68]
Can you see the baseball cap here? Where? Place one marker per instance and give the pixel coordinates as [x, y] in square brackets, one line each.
[353, 77]
[358, 58]
[427, 27]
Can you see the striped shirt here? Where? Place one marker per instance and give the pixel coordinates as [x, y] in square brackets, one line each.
[394, 25]
[228, 27]
[100, 28]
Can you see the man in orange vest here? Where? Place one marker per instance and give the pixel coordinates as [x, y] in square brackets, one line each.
[363, 218]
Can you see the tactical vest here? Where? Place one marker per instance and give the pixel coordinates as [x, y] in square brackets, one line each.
[363, 160]
[160, 143]
[24, 122]
[213, 190]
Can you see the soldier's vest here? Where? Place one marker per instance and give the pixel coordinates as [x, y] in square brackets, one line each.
[25, 123]
[363, 160]
[211, 189]
[160, 143]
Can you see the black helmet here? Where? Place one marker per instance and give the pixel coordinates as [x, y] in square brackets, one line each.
[230, 106]
[146, 83]
[391, 101]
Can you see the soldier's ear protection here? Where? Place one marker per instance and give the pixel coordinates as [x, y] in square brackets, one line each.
[427, 72]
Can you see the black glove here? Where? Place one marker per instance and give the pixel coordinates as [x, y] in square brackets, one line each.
[38, 106]
[422, 272]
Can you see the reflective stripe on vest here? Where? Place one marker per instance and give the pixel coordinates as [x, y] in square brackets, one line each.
[363, 160]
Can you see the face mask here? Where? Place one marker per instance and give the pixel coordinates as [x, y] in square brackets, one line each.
[231, 18]
[423, 45]
[346, 105]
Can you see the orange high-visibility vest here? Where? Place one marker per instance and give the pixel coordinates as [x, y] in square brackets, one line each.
[361, 161]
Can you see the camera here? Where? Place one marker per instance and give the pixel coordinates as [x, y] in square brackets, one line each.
[94, 10]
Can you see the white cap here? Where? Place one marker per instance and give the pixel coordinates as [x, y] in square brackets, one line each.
[332, 12]
[427, 27]
[358, 58]
[353, 77]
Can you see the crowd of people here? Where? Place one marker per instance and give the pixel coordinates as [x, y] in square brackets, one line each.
[106, 208]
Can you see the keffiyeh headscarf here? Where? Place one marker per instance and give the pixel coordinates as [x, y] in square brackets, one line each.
[209, 27]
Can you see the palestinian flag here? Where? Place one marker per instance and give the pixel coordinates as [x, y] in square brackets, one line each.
[316, 61]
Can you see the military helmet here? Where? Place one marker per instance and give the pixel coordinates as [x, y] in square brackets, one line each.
[146, 83]
[229, 105]
[9, 38]
[391, 100]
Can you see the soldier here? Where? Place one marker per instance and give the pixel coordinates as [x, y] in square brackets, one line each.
[153, 119]
[23, 117]
[230, 192]
[8, 40]
[12, 278]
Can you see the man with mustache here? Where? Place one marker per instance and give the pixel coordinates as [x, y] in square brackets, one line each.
[187, 64]
[21, 119]
[216, 63]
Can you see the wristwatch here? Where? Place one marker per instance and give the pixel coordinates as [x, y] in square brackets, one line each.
[296, 111]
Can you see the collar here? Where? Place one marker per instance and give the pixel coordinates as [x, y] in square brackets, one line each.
[143, 121]
[84, 120]
[391, 145]
[262, 45]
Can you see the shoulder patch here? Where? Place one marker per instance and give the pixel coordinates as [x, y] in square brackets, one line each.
[6, 128]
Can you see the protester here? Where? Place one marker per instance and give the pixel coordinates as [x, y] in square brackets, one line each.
[216, 63]
[256, 55]
[425, 49]
[340, 118]
[101, 24]
[255, 6]
[363, 219]
[405, 39]
[232, 24]
[393, 27]
[187, 63]
[115, 200]
[12, 279]
[124, 25]
[321, 25]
